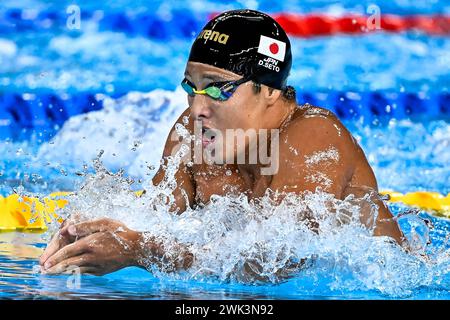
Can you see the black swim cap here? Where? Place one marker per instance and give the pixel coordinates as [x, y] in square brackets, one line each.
[248, 43]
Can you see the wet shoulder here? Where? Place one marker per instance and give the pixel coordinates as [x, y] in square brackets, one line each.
[316, 128]
[309, 117]
[308, 111]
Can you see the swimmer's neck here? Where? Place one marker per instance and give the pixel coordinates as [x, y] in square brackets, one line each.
[280, 113]
[251, 173]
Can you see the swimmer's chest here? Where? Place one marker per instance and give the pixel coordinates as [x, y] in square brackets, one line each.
[216, 180]
[224, 180]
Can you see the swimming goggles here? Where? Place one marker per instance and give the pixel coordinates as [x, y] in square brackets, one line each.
[221, 91]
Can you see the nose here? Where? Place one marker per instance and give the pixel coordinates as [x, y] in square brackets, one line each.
[200, 109]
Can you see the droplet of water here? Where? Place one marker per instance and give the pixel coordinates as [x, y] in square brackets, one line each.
[36, 176]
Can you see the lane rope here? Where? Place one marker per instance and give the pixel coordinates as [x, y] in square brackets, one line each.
[18, 111]
[186, 23]
[313, 25]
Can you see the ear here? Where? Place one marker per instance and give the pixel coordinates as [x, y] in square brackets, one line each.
[270, 95]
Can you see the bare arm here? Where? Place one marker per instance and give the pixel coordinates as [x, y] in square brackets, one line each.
[321, 153]
[385, 224]
[184, 194]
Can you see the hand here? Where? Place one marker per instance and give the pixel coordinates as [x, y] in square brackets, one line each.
[59, 240]
[103, 246]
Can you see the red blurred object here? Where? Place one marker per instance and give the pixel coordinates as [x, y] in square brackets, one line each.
[314, 24]
[393, 23]
[352, 24]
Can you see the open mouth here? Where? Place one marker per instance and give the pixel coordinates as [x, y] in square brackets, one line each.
[208, 136]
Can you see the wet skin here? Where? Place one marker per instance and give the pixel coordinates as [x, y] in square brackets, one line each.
[306, 132]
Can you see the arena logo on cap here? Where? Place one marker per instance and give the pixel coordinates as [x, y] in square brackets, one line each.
[272, 48]
[214, 36]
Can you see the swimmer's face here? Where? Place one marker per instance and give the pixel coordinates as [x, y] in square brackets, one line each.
[245, 109]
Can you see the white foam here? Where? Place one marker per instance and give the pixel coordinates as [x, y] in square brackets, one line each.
[131, 130]
[318, 157]
[7, 48]
[231, 233]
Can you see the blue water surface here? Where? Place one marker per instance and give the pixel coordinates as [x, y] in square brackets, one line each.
[113, 56]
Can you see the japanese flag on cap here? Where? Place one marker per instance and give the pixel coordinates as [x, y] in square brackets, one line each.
[272, 48]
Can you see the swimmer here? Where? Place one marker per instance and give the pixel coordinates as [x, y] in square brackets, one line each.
[236, 85]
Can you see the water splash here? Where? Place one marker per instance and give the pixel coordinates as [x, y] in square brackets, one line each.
[231, 234]
[308, 239]
[131, 130]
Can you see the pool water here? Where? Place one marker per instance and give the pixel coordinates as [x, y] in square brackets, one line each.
[136, 77]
